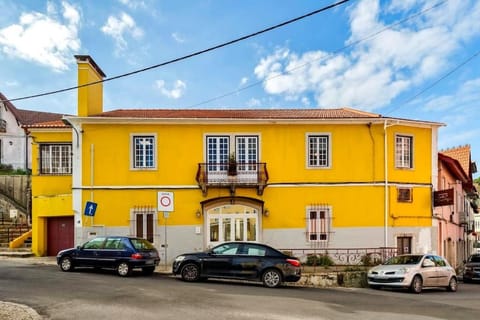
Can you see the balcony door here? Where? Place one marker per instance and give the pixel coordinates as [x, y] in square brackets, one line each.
[218, 150]
[221, 148]
[247, 157]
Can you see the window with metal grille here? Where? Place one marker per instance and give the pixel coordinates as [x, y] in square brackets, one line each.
[403, 151]
[144, 152]
[55, 159]
[318, 223]
[404, 195]
[318, 150]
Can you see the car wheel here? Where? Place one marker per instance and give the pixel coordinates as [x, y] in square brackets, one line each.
[272, 278]
[66, 264]
[148, 270]
[417, 284]
[124, 269]
[190, 272]
[452, 285]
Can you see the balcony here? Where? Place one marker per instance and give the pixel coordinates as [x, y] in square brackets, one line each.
[232, 176]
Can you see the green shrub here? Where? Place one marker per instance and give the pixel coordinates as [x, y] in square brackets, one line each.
[319, 260]
[370, 260]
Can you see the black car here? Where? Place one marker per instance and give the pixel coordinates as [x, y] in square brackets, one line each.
[122, 254]
[472, 268]
[239, 260]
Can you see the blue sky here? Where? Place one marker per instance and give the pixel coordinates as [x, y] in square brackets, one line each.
[387, 57]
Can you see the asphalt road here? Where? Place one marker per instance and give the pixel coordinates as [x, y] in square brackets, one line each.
[103, 295]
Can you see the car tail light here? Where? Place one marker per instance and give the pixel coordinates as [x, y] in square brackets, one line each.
[294, 262]
[137, 256]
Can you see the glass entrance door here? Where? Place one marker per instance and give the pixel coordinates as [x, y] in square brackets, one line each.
[231, 223]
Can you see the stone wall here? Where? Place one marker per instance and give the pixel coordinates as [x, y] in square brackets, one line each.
[356, 279]
[14, 194]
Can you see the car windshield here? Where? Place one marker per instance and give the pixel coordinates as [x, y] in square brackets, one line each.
[410, 259]
[474, 258]
[142, 244]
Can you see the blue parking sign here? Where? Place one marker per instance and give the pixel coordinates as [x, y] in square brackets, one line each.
[90, 208]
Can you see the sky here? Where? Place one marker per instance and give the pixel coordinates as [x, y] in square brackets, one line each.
[401, 58]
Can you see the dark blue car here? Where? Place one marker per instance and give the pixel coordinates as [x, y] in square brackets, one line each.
[122, 254]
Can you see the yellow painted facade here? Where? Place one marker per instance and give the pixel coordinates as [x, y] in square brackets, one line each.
[358, 191]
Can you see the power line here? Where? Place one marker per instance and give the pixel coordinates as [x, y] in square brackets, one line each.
[191, 55]
[449, 73]
[352, 44]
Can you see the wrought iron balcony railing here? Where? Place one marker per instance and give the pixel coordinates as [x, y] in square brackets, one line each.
[232, 175]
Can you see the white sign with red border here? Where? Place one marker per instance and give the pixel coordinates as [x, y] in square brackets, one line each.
[165, 201]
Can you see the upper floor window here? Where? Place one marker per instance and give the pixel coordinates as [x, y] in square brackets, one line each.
[318, 223]
[318, 150]
[144, 149]
[403, 151]
[55, 159]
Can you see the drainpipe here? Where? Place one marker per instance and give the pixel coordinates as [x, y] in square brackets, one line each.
[385, 156]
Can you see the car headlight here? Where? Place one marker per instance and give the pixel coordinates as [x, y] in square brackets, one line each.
[404, 270]
[468, 268]
[179, 258]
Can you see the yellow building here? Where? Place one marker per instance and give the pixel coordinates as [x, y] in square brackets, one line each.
[189, 179]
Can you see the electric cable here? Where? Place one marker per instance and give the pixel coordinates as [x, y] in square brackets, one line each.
[331, 6]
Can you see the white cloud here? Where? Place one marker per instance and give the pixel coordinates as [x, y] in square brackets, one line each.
[243, 81]
[175, 92]
[177, 37]
[120, 27]
[44, 38]
[254, 103]
[133, 4]
[375, 71]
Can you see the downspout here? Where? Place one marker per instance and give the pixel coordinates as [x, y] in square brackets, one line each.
[385, 231]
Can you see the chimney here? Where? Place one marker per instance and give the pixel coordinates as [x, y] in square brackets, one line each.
[90, 98]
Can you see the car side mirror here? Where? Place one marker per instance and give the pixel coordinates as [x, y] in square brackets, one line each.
[428, 263]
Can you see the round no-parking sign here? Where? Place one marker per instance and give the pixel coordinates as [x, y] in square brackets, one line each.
[165, 201]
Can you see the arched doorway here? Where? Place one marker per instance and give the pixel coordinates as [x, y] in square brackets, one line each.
[232, 219]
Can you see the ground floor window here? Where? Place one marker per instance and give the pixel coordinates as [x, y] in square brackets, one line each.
[318, 223]
[232, 222]
[143, 222]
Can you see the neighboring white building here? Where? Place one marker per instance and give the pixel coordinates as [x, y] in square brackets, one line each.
[14, 142]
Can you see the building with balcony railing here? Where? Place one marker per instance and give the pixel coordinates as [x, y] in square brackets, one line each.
[309, 179]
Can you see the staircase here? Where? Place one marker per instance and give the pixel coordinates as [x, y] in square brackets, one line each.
[9, 231]
[14, 197]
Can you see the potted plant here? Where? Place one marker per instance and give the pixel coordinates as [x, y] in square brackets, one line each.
[232, 165]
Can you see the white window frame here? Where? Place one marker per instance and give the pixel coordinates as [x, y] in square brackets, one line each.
[57, 160]
[133, 149]
[403, 154]
[309, 155]
[320, 228]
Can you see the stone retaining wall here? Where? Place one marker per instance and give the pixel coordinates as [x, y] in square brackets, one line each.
[356, 279]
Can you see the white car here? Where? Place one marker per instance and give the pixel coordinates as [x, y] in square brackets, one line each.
[415, 272]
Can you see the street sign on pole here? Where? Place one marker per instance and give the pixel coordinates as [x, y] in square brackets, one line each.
[90, 208]
[165, 201]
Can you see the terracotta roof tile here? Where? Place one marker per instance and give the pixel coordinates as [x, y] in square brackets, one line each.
[48, 124]
[461, 154]
[29, 117]
[239, 113]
